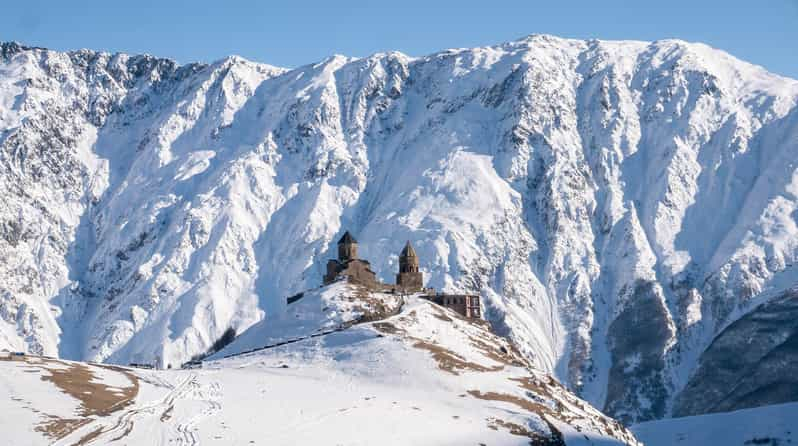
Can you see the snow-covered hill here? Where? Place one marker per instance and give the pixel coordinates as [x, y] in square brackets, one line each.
[615, 203]
[764, 426]
[423, 376]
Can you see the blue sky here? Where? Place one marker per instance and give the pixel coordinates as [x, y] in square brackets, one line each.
[292, 33]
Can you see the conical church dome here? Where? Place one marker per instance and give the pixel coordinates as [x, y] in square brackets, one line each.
[408, 251]
[347, 239]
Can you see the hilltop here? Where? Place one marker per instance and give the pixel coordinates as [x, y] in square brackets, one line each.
[342, 366]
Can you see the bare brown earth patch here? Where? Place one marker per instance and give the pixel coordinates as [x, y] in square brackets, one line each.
[387, 328]
[446, 359]
[374, 308]
[57, 428]
[96, 398]
[610, 426]
[86, 439]
[450, 362]
[523, 403]
[554, 439]
[536, 439]
[533, 385]
[76, 380]
[507, 357]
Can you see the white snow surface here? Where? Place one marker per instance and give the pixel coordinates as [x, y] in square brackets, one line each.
[319, 311]
[146, 207]
[423, 376]
[767, 426]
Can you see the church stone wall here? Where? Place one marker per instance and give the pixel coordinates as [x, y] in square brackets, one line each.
[467, 305]
[410, 281]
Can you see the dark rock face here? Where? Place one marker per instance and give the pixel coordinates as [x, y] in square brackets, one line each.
[751, 363]
[637, 339]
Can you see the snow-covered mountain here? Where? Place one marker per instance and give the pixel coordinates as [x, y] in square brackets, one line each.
[616, 204]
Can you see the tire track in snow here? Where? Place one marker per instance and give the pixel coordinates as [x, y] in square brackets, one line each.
[187, 429]
[184, 432]
[103, 430]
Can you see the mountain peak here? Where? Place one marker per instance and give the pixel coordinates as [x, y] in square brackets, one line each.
[579, 188]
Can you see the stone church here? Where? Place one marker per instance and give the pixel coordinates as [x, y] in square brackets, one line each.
[409, 279]
[347, 265]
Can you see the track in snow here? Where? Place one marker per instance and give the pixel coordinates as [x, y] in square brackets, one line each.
[177, 424]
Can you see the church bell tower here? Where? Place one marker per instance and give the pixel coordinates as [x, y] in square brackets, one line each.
[409, 278]
[347, 248]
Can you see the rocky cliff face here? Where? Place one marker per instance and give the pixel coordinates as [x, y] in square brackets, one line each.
[748, 364]
[615, 203]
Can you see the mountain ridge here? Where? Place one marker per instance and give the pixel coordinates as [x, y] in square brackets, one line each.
[13, 46]
[579, 186]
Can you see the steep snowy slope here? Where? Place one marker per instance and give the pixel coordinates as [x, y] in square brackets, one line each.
[72, 127]
[423, 376]
[317, 312]
[615, 203]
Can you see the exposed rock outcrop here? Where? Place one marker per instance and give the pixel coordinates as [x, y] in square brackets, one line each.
[749, 363]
